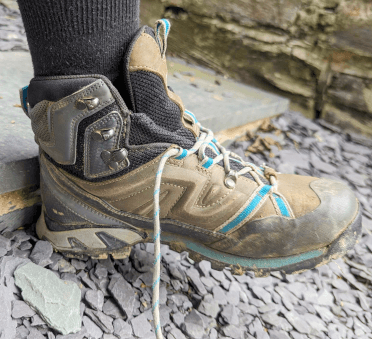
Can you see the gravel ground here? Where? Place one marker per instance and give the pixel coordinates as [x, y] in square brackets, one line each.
[333, 301]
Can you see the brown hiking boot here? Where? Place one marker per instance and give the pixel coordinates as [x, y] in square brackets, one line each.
[101, 164]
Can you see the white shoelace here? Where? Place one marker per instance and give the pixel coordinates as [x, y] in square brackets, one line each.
[206, 139]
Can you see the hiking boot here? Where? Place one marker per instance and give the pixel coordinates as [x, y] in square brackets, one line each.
[110, 169]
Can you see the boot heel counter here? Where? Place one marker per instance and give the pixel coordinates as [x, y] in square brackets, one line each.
[56, 212]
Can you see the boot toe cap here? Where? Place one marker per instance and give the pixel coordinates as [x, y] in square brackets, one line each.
[277, 236]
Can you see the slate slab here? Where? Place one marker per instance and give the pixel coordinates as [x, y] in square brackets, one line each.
[55, 300]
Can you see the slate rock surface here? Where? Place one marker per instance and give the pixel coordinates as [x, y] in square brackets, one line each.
[56, 301]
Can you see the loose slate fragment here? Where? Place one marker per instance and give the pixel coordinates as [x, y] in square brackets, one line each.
[56, 301]
[232, 331]
[21, 309]
[122, 329]
[140, 325]
[193, 325]
[103, 321]
[7, 324]
[7, 267]
[209, 306]
[275, 320]
[123, 293]
[219, 295]
[194, 278]
[92, 328]
[112, 309]
[229, 315]
[94, 299]
[298, 322]
[35, 334]
[175, 333]
[178, 319]
[278, 335]
[65, 267]
[41, 253]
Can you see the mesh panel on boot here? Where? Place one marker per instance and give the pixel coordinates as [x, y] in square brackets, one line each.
[146, 131]
[161, 121]
[39, 121]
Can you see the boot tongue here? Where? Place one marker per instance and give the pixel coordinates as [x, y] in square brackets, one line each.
[158, 113]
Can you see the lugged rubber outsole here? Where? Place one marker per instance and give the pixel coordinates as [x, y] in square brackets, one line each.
[94, 248]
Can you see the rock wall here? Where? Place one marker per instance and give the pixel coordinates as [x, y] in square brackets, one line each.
[317, 52]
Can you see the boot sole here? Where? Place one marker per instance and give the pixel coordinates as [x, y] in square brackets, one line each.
[94, 248]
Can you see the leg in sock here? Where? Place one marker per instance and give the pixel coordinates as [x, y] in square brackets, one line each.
[69, 37]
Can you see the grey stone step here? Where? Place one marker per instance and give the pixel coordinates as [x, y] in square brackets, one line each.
[217, 106]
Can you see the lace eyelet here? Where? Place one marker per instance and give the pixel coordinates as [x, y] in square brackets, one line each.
[230, 180]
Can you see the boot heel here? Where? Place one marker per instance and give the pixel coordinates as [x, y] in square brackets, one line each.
[97, 243]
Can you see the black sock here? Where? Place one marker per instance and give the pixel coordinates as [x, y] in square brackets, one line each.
[71, 37]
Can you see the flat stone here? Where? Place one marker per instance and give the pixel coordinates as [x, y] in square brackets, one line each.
[204, 267]
[297, 322]
[5, 243]
[195, 281]
[56, 301]
[41, 253]
[262, 294]
[270, 308]
[94, 299]
[321, 165]
[340, 284]
[65, 267]
[277, 321]
[22, 332]
[278, 335]
[103, 321]
[229, 315]
[178, 319]
[324, 313]
[92, 328]
[122, 329]
[256, 328]
[193, 325]
[176, 271]
[315, 322]
[179, 299]
[101, 271]
[109, 336]
[232, 331]
[55, 258]
[112, 309]
[35, 334]
[209, 306]
[325, 298]
[298, 289]
[37, 321]
[140, 325]
[26, 245]
[175, 333]
[78, 264]
[8, 265]
[7, 324]
[21, 310]
[123, 293]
